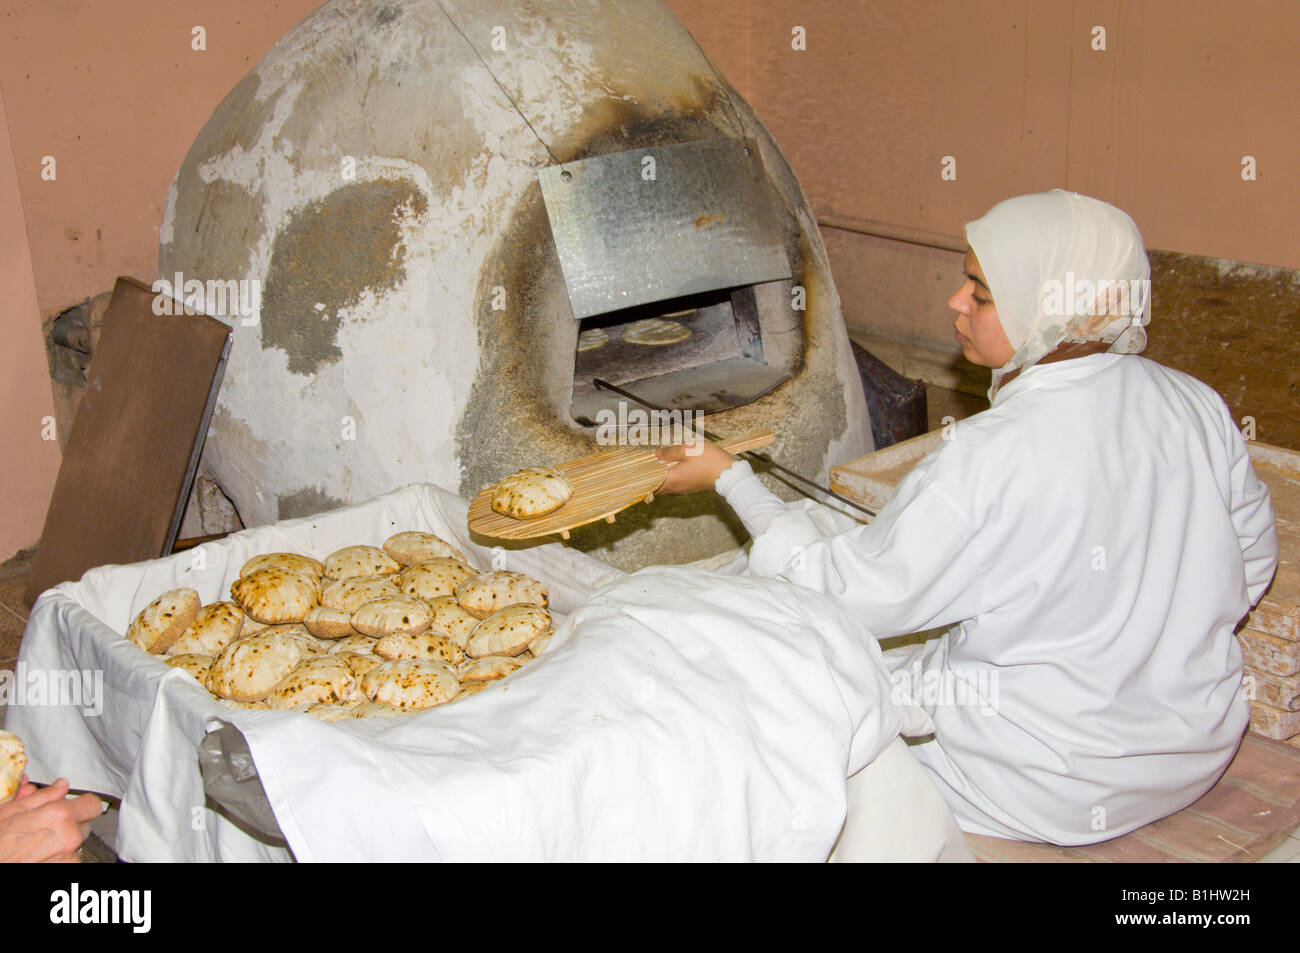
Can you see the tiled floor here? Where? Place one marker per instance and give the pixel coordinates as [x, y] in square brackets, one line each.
[1287, 852]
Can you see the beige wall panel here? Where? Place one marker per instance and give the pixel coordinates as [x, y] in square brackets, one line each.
[30, 462]
[1157, 122]
[115, 93]
[1218, 82]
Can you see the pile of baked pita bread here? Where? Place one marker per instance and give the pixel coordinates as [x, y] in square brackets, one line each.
[13, 763]
[369, 632]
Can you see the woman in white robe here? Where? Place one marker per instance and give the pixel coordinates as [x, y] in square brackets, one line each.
[1090, 541]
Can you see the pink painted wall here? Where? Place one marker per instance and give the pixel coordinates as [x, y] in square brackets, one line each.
[28, 463]
[1158, 123]
[116, 94]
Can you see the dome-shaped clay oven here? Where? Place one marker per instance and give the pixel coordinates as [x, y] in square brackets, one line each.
[373, 183]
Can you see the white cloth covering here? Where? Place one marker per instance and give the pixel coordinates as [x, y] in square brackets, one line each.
[142, 747]
[1092, 539]
[676, 715]
[895, 787]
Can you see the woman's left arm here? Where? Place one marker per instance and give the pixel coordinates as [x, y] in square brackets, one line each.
[918, 565]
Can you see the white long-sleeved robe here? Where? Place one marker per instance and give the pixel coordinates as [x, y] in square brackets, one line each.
[1093, 539]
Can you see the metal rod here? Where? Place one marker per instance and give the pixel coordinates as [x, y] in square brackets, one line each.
[890, 231]
[753, 454]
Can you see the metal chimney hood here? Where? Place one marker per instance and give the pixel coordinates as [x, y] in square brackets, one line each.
[664, 222]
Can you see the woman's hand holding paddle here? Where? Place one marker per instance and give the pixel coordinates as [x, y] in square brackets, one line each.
[693, 467]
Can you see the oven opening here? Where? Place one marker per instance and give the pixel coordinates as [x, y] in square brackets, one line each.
[701, 352]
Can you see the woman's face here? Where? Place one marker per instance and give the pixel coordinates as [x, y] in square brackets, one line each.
[979, 332]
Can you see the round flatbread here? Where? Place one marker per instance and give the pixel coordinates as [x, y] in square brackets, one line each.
[275, 595]
[359, 644]
[252, 626]
[488, 592]
[299, 630]
[414, 547]
[249, 670]
[429, 644]
[196, 665]
[487, 669]
[508, 631]
[164, 620]
[250, 706]
[434, 578]
[357, 696]
[531, 493]
[302, 564]
[359, 664]
[349, 595]
[655, 332]
[319, 681]
[411, 684]
[450, 617]
[326, 623]
[471, 688]
[353, 561]
[592, 338]
[330, 712]
[13, 763]
[391, 616]
[215, 627]
[377, 710]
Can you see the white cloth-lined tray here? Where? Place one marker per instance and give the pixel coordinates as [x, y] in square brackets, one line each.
[676, 715]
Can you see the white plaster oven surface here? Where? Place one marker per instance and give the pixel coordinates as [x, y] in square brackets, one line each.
[373, 178]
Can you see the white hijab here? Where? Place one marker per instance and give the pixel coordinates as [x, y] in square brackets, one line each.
[1063, 268]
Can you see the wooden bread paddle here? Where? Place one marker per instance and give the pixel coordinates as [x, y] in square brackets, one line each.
[603, 484]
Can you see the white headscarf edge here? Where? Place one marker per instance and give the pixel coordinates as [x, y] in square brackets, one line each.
[1058, 265]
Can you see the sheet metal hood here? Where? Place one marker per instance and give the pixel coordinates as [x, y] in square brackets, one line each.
[664, 222]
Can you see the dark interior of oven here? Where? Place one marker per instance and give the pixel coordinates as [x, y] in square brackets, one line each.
[721, 362]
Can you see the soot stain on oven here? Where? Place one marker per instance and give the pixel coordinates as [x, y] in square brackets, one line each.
[507, 411]
[527, 348]
[356, 229]
[237, 118]
[524, 384]
[308, 501]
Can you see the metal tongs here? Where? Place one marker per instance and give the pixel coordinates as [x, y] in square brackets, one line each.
[751, 454]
